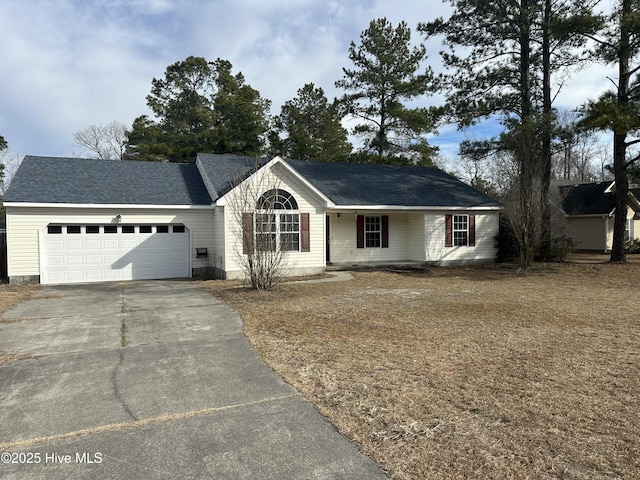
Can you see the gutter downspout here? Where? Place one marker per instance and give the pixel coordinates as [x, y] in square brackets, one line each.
[606, 233]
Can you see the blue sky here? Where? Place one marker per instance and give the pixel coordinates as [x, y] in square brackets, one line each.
[67, 64]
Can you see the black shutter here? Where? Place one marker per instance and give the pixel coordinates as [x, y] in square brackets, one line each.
[448, 239]
[385, 231]
[304, 232]
[360, 231]
[247, 233]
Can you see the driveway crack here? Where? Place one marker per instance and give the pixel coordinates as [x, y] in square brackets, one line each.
[116, 390]
[123, 343]
[123, 324]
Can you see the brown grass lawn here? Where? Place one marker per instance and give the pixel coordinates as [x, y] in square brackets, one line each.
[482, 372]
[10, 295]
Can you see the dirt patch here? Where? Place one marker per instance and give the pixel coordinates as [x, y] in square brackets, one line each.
[10, 295]
[466, 372]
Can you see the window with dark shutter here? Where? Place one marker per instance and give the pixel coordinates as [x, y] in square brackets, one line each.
[372, 231]
[460, 230]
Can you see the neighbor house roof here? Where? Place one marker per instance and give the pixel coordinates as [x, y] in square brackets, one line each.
[90, 181]
[356, 184]
[588, 199]
[595, 198]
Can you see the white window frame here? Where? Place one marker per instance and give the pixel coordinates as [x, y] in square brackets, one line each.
[284, 221]
[377, 238]
[460, 225]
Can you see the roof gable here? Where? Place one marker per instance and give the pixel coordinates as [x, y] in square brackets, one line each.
[91, 181]
[222, 172]
[588, 199]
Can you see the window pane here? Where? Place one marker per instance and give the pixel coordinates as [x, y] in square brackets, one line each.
[54, 229]
[110, 229]
[290, 242]
[178, 229]
[372, 240]
[372, 224]
[73, 229]
[460, 238]
[128, 229]
[162, 229]
[277, 199]
[266, 242]
[145, 228]
[92, 229]
[289, 222]
[265, 223]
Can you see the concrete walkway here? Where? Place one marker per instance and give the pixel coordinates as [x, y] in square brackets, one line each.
[153, 380]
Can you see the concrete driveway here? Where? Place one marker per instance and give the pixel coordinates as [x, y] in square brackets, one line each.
[153, 380]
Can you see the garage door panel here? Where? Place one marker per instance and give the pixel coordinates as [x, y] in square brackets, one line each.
[96, 257]
[55, 260]
[92, 244]
[55, 244]
[75, 260]
[110, 243]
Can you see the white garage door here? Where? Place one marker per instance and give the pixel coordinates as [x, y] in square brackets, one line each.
[102, 253]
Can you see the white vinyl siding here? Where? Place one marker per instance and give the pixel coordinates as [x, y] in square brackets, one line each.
[300, 263]
[486, 229]
[343, 239]
[413, 236]
[24, 224]
[217, 260]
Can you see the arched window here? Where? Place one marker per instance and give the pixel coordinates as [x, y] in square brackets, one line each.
[276, 229]
[277, 199]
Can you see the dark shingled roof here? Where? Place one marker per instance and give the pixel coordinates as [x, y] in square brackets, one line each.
[587, 199]
[226, 171]
[390, 185]
[85, 181]
[90, 181]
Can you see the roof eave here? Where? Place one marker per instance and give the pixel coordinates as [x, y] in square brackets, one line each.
[417, 207]
[109, 205]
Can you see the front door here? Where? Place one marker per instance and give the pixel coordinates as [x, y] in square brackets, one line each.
[328, 232]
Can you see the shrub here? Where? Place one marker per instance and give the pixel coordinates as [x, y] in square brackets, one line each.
[562, 247]
[632, 246]
[506, 242]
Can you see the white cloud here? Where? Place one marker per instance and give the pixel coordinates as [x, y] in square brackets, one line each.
[71, 63]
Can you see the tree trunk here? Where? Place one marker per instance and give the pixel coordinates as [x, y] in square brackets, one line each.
[526, 154]
[547, 112]
[618, 253]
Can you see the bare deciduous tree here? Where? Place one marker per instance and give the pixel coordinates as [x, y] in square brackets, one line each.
[256, 215]
[106, 142]
[9, 163]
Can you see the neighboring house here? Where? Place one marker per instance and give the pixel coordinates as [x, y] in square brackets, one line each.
[589, 210]
[79, 220]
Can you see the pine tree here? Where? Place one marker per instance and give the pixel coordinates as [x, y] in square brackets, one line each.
[387, 75]
[619, 110]
[311, 127]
